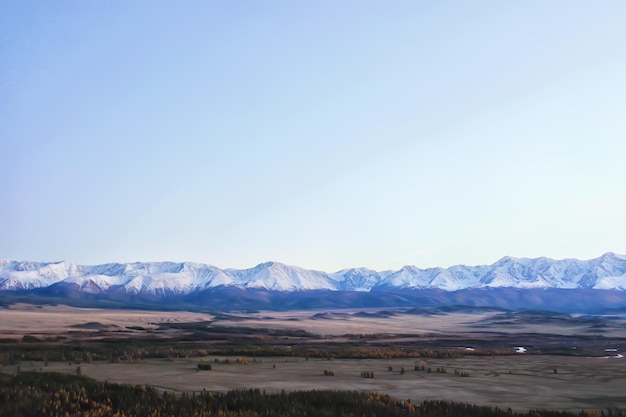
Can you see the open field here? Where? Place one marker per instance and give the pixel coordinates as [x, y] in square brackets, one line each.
[291, 350]
[20, 319]
[519, 382]
[430, 322]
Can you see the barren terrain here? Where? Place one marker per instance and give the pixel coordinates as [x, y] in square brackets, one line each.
[585, 369]
[23, 319]
[520, 382]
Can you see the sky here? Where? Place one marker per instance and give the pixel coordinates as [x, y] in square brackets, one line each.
[320, 134]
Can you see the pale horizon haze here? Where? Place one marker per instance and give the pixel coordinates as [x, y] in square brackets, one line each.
[322, 134]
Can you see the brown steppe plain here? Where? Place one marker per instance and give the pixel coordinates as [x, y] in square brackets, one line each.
[519, 381]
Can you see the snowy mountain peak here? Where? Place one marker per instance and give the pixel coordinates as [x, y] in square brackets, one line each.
[611, 256]
[276, 276]
[607, 272]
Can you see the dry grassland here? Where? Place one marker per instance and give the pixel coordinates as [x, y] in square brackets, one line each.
[20, 319]
[516, 381]
[337, 326]
[348, 322]
[519, 382]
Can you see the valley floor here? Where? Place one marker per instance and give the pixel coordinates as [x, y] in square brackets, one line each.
[456, 355]
[519, 382]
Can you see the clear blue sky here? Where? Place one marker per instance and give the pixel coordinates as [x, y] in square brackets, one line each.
[322, 134]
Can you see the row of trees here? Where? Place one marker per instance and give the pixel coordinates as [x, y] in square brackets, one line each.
[134, 351]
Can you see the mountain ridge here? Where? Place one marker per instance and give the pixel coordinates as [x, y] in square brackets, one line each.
[162, 279]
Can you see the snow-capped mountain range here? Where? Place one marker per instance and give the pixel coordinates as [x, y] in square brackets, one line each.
[607, 272]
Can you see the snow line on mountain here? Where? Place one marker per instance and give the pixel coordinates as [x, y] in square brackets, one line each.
[607, 272]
